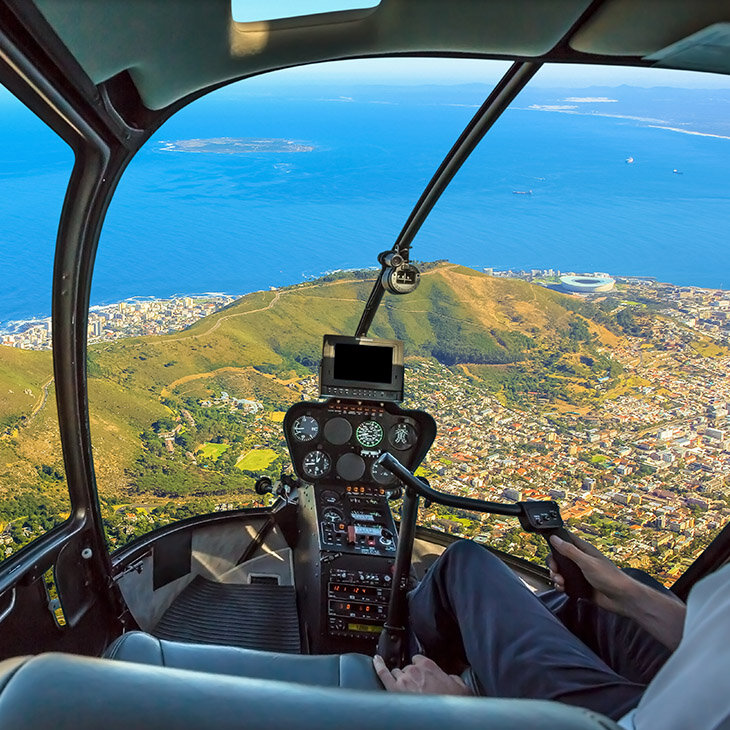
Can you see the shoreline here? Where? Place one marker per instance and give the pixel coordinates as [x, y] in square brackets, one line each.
[18, 326]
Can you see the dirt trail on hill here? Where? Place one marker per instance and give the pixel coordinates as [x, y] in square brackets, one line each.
[228, 369]
[280, 294]
[218, 322]
[42, 402]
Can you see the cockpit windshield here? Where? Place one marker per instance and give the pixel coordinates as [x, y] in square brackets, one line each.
[569, 333]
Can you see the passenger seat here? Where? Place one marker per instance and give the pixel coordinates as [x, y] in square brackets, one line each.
[352, 671]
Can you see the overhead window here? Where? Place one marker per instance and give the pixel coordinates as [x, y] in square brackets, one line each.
[249, 11]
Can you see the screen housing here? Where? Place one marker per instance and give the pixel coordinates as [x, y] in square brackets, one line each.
[341, 353]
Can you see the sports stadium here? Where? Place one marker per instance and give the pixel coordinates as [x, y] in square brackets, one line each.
[585, 284]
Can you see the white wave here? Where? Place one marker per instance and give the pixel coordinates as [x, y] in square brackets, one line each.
[648, 121]
[689, 131]
[590, 99]
[552, 107]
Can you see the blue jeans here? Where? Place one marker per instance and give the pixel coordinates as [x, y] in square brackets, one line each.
[472, 610]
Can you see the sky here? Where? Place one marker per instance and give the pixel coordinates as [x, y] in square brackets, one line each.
[465, 71]
[246, 11]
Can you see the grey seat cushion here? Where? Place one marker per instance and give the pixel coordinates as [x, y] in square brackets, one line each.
[353, 671]
[78, 693]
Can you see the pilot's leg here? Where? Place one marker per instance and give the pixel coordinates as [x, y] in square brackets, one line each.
[627, 648]
[470, 608]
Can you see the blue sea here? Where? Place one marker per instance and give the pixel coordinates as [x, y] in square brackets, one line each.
[186, 222]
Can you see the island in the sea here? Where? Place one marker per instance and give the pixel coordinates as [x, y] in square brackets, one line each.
[235, 145]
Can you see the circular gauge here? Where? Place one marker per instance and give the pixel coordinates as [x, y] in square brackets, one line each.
[402, 436]
[338, 431]
[330, 497]
[330, 514]
[316, 464]
[350, 467]
[369, 434]
[381, 475]
[305, 428]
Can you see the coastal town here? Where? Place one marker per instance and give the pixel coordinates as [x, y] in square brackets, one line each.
[130, 318]
[641, 470]
[638, 459]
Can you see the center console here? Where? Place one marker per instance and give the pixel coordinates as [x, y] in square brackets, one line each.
[357, 539]
[346, 533]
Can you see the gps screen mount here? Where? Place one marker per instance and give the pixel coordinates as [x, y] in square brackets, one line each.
[361, 368]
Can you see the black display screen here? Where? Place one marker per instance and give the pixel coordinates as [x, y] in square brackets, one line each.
[368, 363]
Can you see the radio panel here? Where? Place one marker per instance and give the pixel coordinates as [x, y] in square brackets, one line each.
[355, 519]
[357, 603]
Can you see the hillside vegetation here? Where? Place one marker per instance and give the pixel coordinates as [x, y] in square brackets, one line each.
[516, 337]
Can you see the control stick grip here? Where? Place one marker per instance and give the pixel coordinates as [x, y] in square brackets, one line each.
[576, 584]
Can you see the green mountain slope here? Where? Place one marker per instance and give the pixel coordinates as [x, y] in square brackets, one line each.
[456, 311]
[259, 348]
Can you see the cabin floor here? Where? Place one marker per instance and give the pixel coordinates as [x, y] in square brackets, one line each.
[210, 587]
[207, 612]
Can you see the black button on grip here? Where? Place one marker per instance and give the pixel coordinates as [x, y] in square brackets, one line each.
[576, 585]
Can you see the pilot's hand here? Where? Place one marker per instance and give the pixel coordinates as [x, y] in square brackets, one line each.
[610, 584]
[424, 676]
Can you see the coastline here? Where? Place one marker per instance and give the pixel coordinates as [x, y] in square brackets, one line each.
[14, 329]
[130, 317]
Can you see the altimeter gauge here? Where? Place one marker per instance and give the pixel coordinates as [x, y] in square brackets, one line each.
[369, 434]
[316, 464]
[305, 428]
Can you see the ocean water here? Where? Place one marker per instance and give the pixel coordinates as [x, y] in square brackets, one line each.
[184, 222]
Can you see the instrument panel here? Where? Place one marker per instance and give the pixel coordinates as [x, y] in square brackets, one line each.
[340, 440]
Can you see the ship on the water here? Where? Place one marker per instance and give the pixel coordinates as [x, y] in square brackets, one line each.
[522, 192]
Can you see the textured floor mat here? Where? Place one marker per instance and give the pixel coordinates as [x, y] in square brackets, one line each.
[252, 616]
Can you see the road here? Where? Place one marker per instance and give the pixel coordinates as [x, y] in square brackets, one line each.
[41, 403]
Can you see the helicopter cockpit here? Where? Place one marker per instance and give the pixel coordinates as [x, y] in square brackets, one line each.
[208, 533]
[353, 451]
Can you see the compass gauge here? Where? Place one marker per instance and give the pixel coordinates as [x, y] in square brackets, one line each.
[316, 464]
[305, 428]
[369, 434]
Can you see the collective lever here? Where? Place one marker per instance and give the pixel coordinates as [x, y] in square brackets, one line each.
[544, 519]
